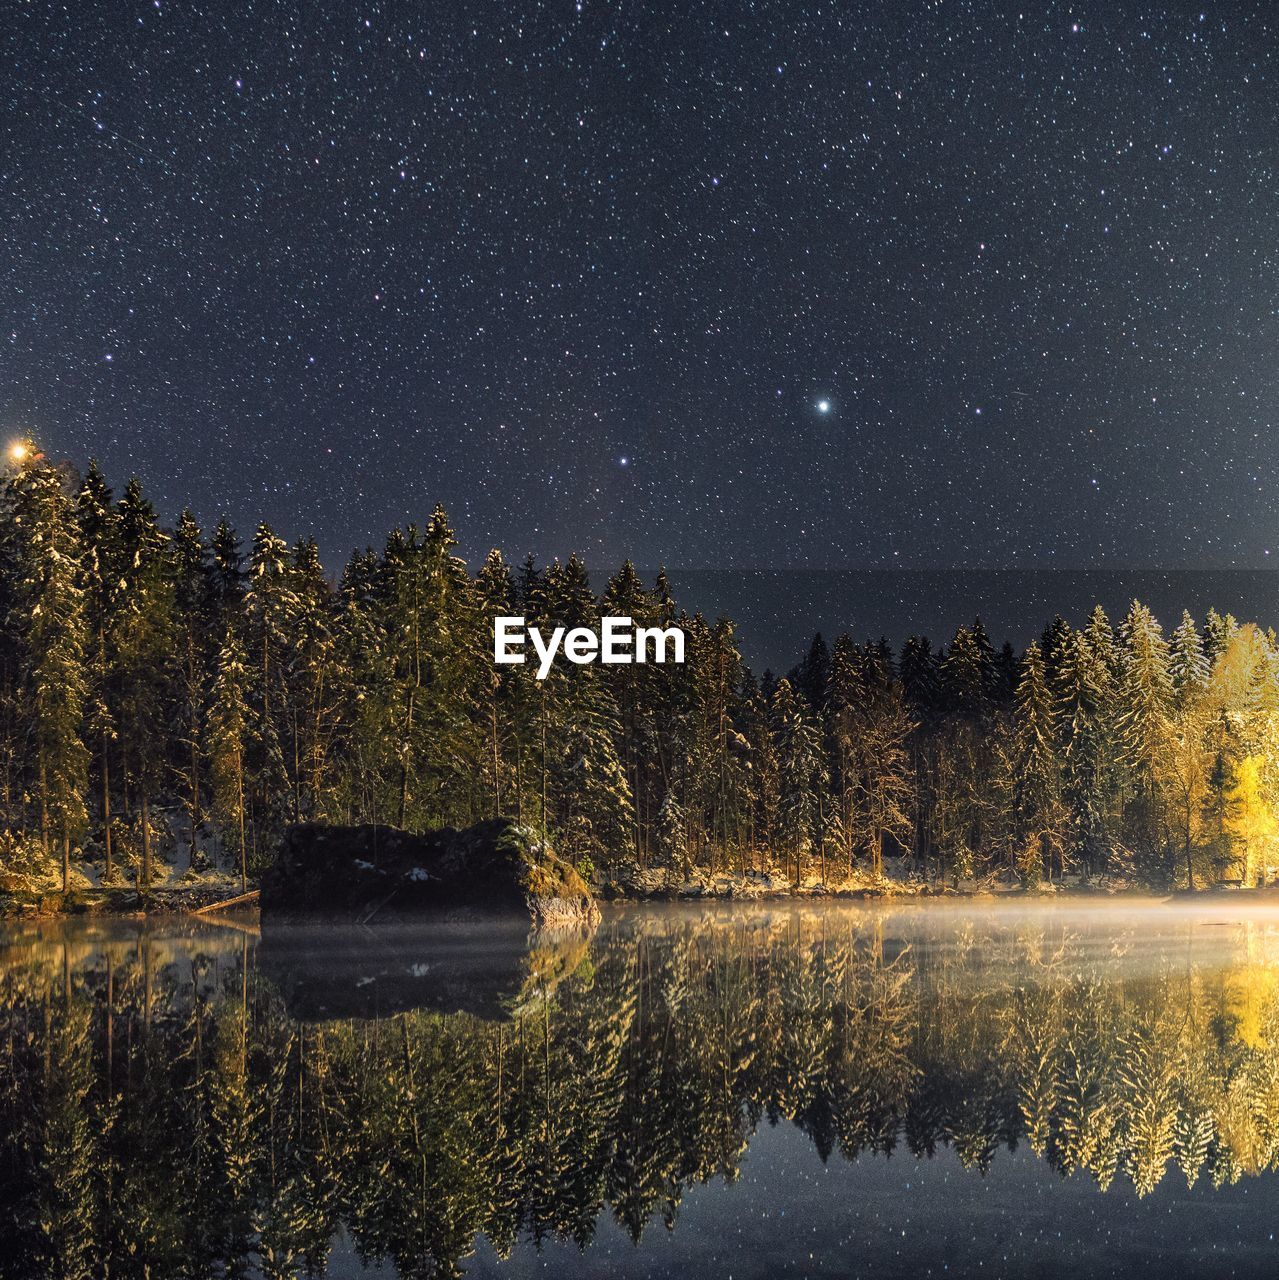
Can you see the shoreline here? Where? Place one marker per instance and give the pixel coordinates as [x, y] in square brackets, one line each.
[201, 901]
[123, 902]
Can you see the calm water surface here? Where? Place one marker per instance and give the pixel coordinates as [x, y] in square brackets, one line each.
[861, 1090]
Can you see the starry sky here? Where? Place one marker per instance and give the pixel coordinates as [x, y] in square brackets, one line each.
[805, 284]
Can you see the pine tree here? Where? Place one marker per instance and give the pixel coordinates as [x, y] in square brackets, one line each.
[845, 693]
[1081, 734]
[919, 669]
[145, 647]
[496, 590]
[1187, 760]
[194, 614]
[1146, 697]
[1217, 633]
[811, 676]
[269, 605]
[228, 734]
[459, 659]
[1007, 673]
[596, 810]
[765, 783]
[968, 675]
[308, 679]
[798, 760]
[1036, 772]
[921, 679]
[591, 804]
[98, 536]
[13, 747]
[1219, 805]
[1106, 669]
[535, 591]
[672, 833]
[964, 807]
[50, 598]
[1261, 699]
[228, 576]
[641, 692]
[1187, 663]
[362, 693]
[1102, 644]
[718, 749]
[884, 785]
[1052, 645]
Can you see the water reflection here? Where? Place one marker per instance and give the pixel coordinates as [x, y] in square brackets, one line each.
[180, 1099]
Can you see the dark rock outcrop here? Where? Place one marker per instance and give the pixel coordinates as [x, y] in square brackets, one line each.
[375, 872]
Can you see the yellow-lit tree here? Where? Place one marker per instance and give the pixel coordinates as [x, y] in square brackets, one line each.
[1252, 821]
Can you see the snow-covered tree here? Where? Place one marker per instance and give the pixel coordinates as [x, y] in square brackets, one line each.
[145, 646]
[99, 556]
[1036, 770]
[1187, 662]
[228, 735]
[1145, 706]
[798, 762]
[50, 600]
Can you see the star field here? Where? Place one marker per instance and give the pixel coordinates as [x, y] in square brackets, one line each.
[804, 284]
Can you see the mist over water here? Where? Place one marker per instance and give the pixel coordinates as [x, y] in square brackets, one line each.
[879, 1089]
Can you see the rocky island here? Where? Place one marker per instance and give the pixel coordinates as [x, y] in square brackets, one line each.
[374, 872]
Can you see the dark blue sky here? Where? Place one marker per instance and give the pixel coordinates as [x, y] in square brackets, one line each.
[583, 272]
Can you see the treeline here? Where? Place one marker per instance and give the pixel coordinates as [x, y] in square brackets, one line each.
[163, 1115]
[144, 668]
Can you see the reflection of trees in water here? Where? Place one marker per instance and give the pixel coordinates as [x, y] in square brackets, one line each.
[161, 1114]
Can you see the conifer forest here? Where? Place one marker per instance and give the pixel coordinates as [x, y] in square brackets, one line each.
[163, 687]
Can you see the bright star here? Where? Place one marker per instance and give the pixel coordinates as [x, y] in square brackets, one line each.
[823, 406]
[623, 462]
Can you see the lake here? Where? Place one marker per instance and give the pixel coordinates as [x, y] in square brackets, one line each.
[820, 1090]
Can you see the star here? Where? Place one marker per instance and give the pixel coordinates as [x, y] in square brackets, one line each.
[844, 258]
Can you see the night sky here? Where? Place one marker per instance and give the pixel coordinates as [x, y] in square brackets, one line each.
[789, 285]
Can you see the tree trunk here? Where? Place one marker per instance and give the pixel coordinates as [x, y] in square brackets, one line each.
[66, 862]
[543, 727]
[519, 779]
[297, 770]
[145, 870]
[821, 833]
[239, 786]
[106, 810]
[44, 808]
[497, 758]
[404, 762]
[194, 855]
